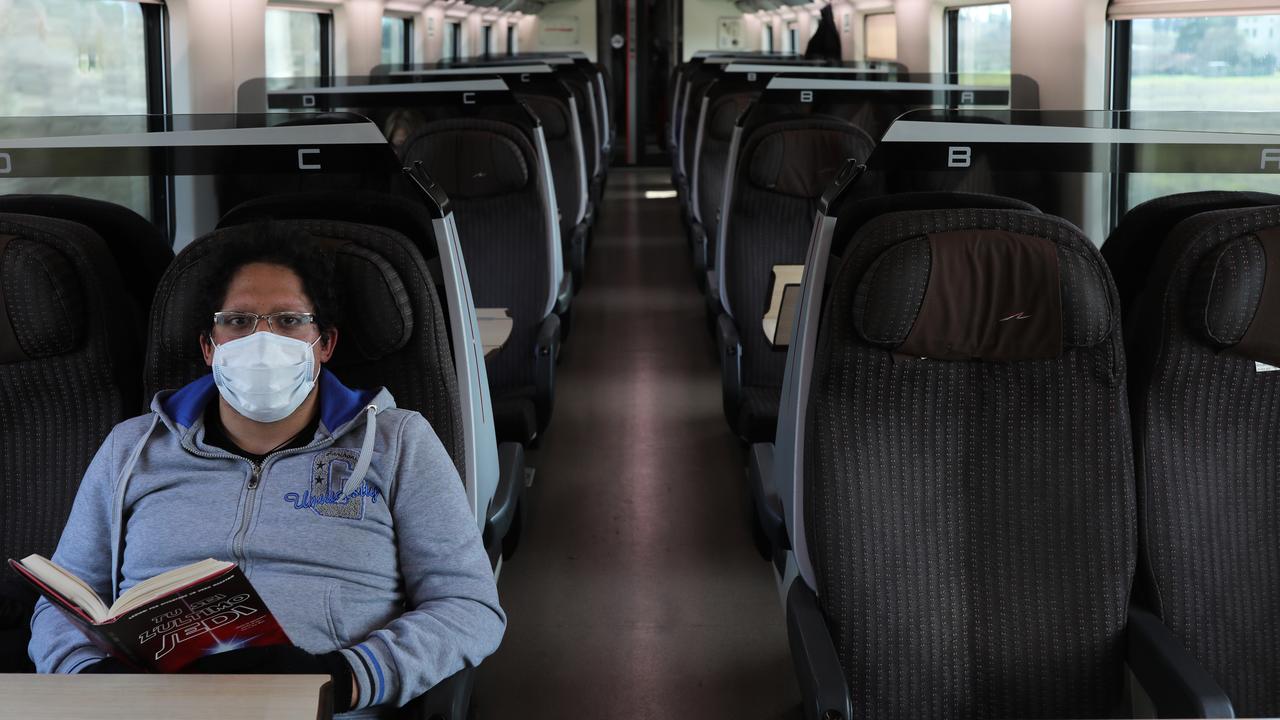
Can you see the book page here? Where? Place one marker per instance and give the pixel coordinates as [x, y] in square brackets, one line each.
[164, 583]
[67, 585]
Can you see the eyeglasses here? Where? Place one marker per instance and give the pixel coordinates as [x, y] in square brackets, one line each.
[235, 324]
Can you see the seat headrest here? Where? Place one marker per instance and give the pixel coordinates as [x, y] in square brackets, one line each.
[553, 114]
[377, 315]
[981, 295]
[469, 160]
[802, 162]
[1234, 297]
[140, 250]
[42, 300]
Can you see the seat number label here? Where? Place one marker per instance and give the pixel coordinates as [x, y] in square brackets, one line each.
[959, 156]
[1271, 156]
[313, 163]
[6, 163]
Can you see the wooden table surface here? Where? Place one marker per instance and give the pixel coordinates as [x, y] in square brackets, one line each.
[143, 697]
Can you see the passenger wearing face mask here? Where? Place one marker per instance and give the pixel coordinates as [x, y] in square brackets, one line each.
[345, 512]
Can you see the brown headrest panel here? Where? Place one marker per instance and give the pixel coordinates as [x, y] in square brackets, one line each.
[989, 295]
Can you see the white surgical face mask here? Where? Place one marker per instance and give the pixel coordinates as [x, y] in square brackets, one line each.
[264, 376]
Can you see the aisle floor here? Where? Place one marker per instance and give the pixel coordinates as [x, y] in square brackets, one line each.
[636, 592]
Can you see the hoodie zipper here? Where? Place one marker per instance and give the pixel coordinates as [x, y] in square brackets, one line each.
[255, 479]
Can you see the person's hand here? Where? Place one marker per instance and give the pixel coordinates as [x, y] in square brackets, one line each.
[108, 666]
[281, 660]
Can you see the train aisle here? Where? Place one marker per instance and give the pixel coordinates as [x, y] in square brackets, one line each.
[636, 592]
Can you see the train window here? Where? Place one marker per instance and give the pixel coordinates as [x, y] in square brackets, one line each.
[978, 42]
[297, 43]
[513, 42]
[453, 49]
[766, 37]
[881, 36]
[83, 57]
[72, 57]
[397, 40]
[1222, 63]
[486, 40]
[791, 39]
[1204, 63]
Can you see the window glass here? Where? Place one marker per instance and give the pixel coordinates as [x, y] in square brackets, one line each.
[75, 57]
[766, 37]
[513, 46]
[792, 38]
[882, 37]
[293, 43]
[72, 57]
[1203, 63]
[982, 36]
[393, 40]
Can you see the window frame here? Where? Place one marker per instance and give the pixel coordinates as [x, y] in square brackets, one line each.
[325, 33]
[513, 38]
[406, 26]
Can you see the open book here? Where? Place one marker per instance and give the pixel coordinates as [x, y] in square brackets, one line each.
[167, 622]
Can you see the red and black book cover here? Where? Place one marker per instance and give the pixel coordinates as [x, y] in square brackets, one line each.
[210, 615]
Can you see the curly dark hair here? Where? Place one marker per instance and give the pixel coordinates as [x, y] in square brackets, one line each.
[276, 244]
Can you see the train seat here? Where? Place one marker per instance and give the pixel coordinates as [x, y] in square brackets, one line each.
[71, 344]
[140, 250]
[1141, 232]
[707, 186]
[782, 171]
[1203, 341]
[485, 168]
[967, 483]
[568, 171]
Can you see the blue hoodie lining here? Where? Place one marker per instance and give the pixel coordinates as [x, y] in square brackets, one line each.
[339, 404]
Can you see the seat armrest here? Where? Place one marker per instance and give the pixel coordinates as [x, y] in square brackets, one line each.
[765, 495]
[564, 294]
[1174, 680]
[546, 349]
[823, 691]
[699, 235]
[578, 254]
[502, 510]
[729, 345]
[449, 699]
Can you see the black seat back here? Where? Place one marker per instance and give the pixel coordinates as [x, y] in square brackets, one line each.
[392, 332]
[1141, 232]
[968, 491]
[70, 348]
[563, 151]
[782, 171]
[714, 156]
[1203, 340]
[488, 169]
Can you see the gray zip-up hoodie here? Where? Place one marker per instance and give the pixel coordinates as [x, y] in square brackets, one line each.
[360, 541]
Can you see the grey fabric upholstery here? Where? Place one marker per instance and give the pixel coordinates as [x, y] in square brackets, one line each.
[716, 138]
[970, 524]
[1140, 233]
[770, 225]
[141, 252]
[70, 348]
[392, 332]
[503, 239]
[1207, 451]
[556, 119]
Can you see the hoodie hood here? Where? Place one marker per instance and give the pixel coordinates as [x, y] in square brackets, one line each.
[339, 404]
